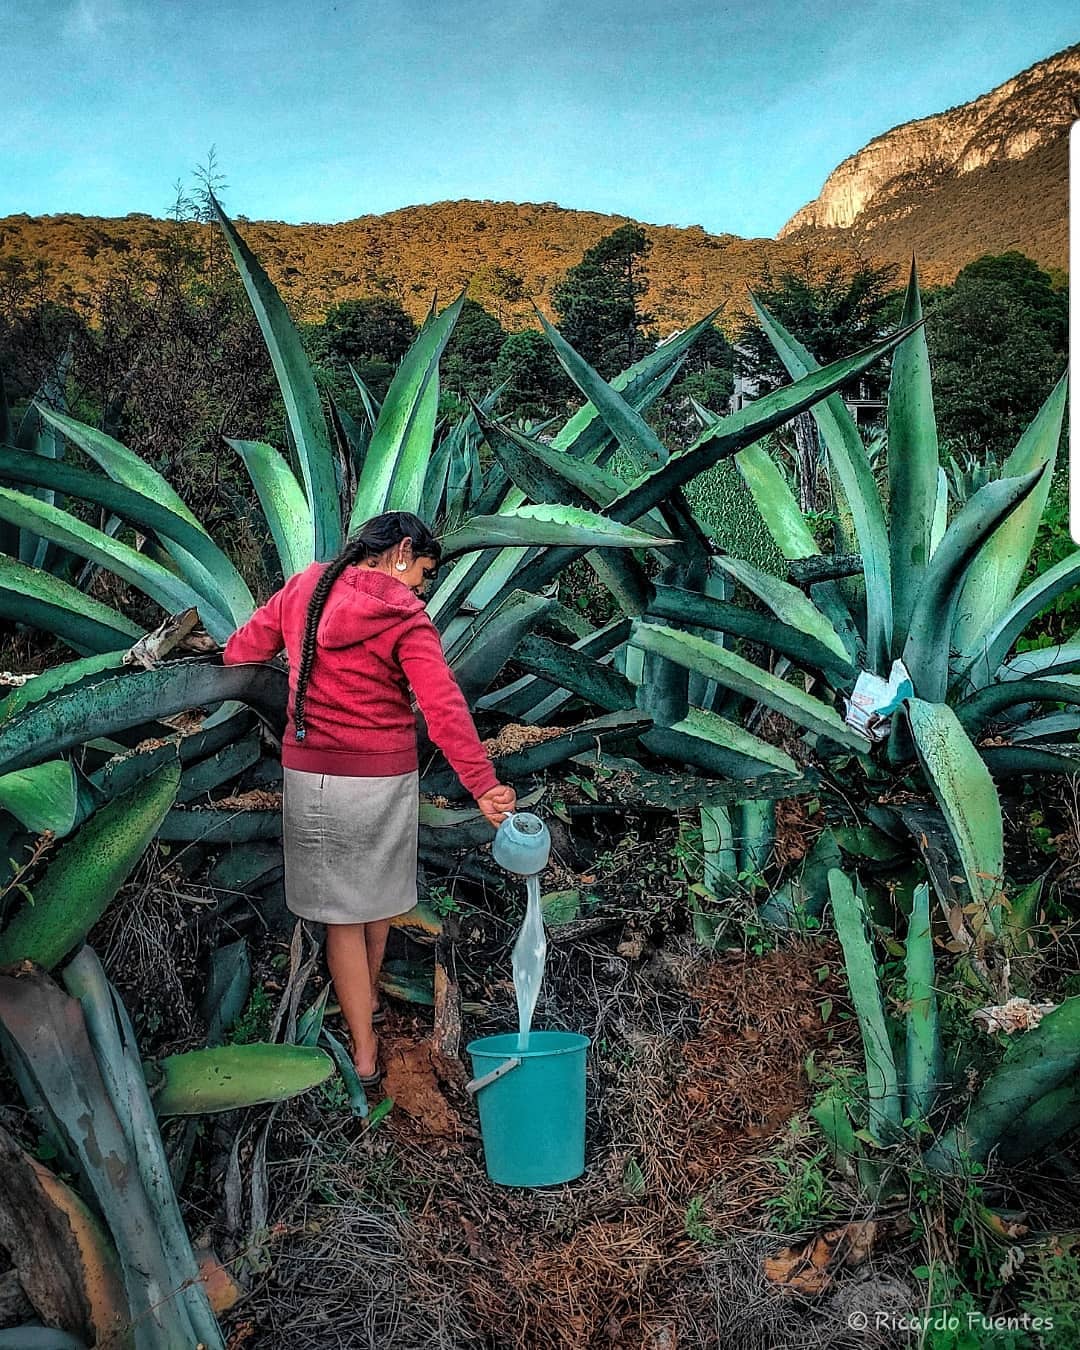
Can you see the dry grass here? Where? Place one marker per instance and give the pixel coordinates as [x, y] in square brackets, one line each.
[398, 1238]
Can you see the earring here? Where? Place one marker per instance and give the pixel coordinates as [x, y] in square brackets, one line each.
[402, 567]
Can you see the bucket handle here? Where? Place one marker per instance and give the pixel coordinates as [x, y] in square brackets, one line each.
[473, 1087]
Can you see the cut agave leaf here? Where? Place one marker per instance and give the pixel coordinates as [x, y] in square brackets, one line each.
[72, 717]
[923, 1039]
[229, 1077]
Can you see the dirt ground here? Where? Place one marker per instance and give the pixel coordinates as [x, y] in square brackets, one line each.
[394, 1236]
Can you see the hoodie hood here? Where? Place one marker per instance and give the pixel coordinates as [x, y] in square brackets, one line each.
[364, 603]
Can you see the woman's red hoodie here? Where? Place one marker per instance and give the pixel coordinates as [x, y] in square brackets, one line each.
[374, 641]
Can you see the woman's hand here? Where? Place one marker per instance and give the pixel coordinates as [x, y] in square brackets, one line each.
[497, 803]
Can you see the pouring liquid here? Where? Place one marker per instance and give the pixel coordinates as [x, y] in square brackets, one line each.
[528, 960]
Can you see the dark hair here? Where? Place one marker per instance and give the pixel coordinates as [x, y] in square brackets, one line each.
[374, 538]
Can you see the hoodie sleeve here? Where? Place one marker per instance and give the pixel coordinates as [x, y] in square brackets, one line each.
[260, 639]
[446, 713]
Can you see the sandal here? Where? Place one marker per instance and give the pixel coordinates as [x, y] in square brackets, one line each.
[378, 1017]
[369, 1082]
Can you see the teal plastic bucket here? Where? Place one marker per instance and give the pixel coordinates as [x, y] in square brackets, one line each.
[532, 1115]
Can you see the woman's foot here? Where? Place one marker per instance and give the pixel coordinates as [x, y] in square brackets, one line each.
[366, 1061]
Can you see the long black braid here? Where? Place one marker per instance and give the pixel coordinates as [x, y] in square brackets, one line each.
[374, 538]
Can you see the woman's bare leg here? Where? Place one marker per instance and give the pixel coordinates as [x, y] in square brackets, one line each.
[346, 955]
[375, 935]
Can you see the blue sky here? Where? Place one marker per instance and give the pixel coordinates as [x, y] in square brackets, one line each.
[670, 111]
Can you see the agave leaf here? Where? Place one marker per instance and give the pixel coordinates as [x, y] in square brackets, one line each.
[995, 573]
[82, 879]
[1013, 761]
[926, 652]
[140, 571]
[228, 1077]
[397, 457]
[372, 406]
[1055, 581]
[309, 1023]
[1042, 663]
[216, 827]
[965, 792]
[1037, 1062]
[75, 716]
[787, 602]
[247, 867]
[43, 601]
[561, 667]
[775, 502]
[704, 611]
[547, 525]
[297, 384]
[228, 763]
[45, 1035]
[64, 1259]
[735, 673]
[358, 1102]
[488, 645]
[630, 429]
[923, 1039]
[532, 699]
[720, 866]
[716, 745]
[36, 437]
[227, 989]
[756, 832]
[609, 729]
[43, 797]
[913, 463]
[725, 438]
[117, 1052]
[121, 464]
[882, 1088]
[199, 560]
[982, 707]
[586, 435]
[57, 677]
[848, 456]
[1053, 727]
[1050, 1118]
[283, 503]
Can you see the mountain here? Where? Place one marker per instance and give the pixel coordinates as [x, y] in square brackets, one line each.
[986, 176]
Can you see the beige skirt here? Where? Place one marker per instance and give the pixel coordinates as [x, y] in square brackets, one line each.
[350, 845]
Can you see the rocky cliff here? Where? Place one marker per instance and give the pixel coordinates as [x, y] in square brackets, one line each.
[1021, 116]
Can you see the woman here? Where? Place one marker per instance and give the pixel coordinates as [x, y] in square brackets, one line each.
[357, 636]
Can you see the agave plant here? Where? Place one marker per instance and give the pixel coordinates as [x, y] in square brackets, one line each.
[1024, 1106]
